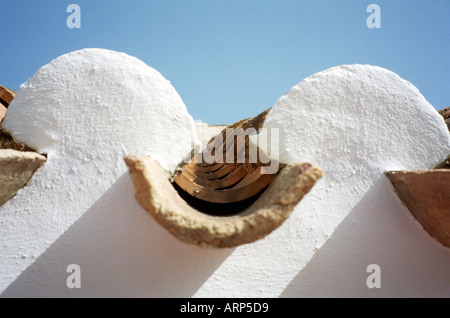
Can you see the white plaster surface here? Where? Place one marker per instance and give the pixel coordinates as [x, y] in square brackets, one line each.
[356, 122]
[86, 110]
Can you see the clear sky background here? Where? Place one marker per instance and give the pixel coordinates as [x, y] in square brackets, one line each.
[233, 59]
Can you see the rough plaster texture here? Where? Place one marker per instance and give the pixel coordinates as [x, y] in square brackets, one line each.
[86, 110]
[356, 122]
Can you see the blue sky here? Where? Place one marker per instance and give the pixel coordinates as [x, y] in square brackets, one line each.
[232, 59]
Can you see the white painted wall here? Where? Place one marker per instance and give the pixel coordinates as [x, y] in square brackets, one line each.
[341, 227]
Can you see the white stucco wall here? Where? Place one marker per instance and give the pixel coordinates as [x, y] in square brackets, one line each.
[323, 250]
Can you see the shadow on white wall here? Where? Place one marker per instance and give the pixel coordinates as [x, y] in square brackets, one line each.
[412, 263]
[122, 252]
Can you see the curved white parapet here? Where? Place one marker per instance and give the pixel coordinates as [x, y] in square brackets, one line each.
[357, 122]
[86, 110]
[89, 109]
[96, 98]
[359, 115]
